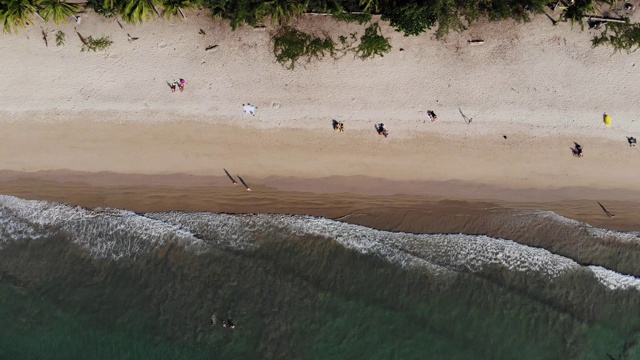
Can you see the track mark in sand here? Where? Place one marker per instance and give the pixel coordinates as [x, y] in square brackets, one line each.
[276, 105]
[161, 45]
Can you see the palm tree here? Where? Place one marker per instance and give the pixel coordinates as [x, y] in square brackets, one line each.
[282, 11]
[15, 13]
[137, 11]
[59, 10]
[175, 7]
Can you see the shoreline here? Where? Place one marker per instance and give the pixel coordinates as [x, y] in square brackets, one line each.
[374, 204]
[529, 88]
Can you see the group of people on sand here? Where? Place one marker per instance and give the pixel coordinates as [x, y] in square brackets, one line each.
[177, 85]
[578, 151]
[382, 130]
[338, 126]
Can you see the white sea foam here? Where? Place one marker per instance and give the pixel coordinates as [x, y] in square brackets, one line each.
[115, 234]
[439, 253]
[614, 280]
[592, 231]
[454, 251]
[550, 215]
[104, 233]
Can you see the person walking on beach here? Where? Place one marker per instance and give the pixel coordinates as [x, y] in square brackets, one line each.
[577, 150]
[182, 84]
[632, 141]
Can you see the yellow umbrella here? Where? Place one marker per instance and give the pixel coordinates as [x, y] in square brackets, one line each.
[607, 120]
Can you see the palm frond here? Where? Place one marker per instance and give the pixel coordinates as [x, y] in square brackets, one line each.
[173, 8]
[139, 11]
[282, 12]
[58, 10]
[578, 11]
[15, 14]
[369, 5]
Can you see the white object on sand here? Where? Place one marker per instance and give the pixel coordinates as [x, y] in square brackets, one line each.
[250, 109]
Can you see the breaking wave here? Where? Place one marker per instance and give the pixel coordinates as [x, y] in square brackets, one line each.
[120, 235]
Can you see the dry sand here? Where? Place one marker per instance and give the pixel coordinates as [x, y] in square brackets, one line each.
[543, 87]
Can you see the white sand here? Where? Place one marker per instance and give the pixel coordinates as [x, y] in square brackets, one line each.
[542, 86]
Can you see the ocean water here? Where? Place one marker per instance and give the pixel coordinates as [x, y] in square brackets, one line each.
[109, 283]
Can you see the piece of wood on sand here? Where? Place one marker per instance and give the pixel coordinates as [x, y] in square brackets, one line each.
[605, 19]
[475, 42]
[84, 41]
[44, 37]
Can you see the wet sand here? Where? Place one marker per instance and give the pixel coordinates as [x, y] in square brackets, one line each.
[421, 207]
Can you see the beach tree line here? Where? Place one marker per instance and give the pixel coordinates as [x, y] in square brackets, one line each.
[411, 17]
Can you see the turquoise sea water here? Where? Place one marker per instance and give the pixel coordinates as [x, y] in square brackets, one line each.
[105, 284]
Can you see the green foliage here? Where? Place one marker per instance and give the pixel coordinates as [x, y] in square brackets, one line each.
[238, 12]
[506, 9]
[449, 18]
[253, 12]
[369, 5]
[619, 36]
[61, 38]
[15, 14]
[98, 44]
[334, 6]
[138, 11]
[411, 19]
[350, 18]
[372, 43]
[172, 8]
[577, 11]
[281, 11]
[58, 10]
[289, 45]
[105, 8]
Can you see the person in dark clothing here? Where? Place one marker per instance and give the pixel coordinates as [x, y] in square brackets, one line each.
[631, 140]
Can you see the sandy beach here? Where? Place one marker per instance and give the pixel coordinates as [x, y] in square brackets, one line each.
[450, 239]
[542, 87]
